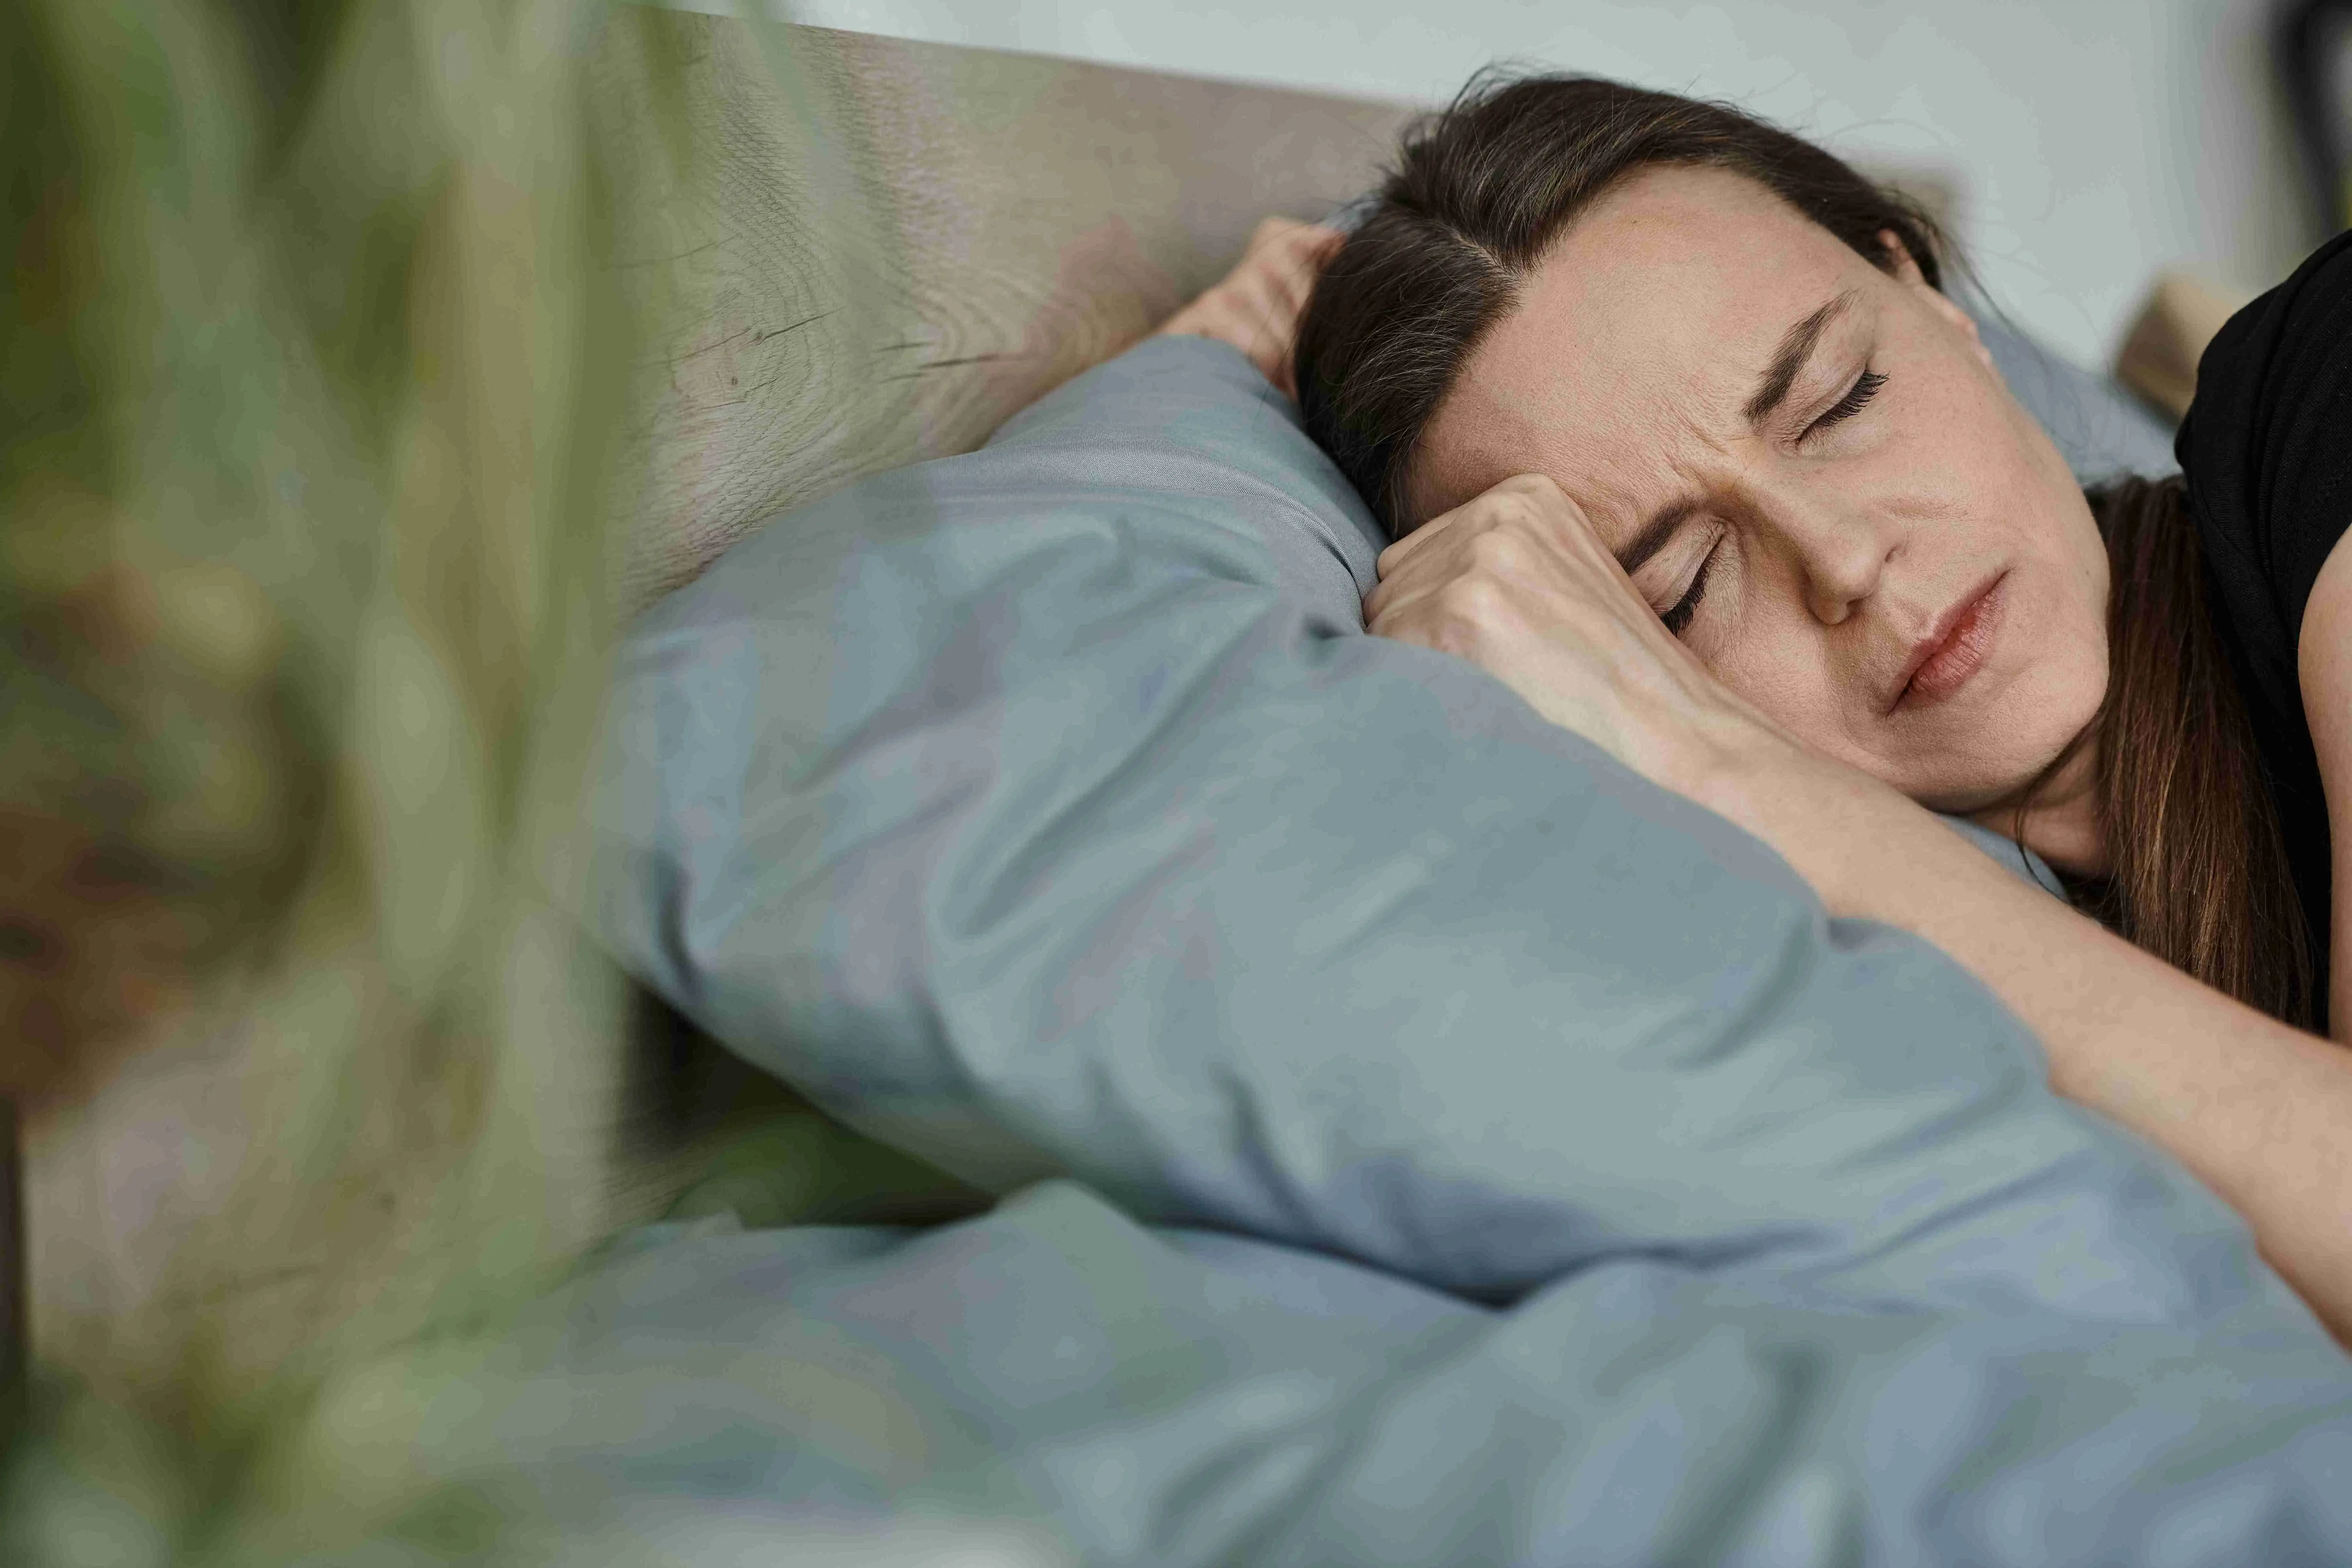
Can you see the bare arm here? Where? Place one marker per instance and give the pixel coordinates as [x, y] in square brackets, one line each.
[1517, 582]
[2256, 1110]
[2324, 656]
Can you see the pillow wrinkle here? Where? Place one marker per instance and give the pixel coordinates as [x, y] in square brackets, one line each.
[1083, 843]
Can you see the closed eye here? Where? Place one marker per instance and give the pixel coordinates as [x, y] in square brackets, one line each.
[1856, 398]
[1678, 619]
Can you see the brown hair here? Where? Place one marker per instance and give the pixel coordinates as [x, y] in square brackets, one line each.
[2199, 873]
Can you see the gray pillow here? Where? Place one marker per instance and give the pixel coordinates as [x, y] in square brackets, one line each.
[2099, 427]
[1029, 809]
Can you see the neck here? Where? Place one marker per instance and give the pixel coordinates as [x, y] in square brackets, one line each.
[2063, 825]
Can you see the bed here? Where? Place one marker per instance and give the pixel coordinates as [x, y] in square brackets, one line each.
[1337, 1117]
[1023, 218]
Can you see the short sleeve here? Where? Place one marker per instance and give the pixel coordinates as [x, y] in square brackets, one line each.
[2267, 448]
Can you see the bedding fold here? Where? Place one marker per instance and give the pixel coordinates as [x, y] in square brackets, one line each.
[1031, 810]
[1054, 1384]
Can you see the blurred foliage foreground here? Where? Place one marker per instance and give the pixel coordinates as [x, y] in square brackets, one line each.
[313, 371]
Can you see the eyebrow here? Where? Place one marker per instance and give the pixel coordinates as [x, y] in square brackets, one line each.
[1655, 534]
[1789, 358]
[1796, 348]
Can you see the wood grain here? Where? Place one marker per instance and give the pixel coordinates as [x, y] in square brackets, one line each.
[874, 251]
[863, 253]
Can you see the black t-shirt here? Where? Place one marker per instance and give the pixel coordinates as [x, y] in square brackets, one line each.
[2266, 449]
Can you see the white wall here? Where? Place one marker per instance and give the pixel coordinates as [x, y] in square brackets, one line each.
[2090, 142]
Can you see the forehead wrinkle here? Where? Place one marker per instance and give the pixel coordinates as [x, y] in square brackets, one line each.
[1619, 497]
[1651, 414]
[1646, 452]
[1664, 439]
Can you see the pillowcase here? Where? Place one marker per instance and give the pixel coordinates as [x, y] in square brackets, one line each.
[1043, 810]
[2098, 426]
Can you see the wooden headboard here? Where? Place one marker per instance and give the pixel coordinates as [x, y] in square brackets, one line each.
[861, 252]
[874, 251]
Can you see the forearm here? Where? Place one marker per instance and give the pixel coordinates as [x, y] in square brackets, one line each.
[2256, 1110]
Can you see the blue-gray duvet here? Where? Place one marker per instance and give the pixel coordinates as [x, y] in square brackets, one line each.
[1424, 1141]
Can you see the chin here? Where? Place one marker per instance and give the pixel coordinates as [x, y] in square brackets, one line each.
[1966, 799]
[2000, 762]
[2009, 730]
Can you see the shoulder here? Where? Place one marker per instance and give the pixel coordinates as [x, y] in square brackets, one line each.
[2325, 664]
[2283, 340]
[2266, 447]
[2325, 661]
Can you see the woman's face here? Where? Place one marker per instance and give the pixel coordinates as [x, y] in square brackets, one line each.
[1810, 470]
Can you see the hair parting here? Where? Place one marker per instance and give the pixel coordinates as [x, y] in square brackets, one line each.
[1479, 192]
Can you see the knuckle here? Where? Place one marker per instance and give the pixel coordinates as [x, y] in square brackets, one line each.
[1471, 600]
[1407, 542]
[1463, 639]
[1399, 624]
[1534, 498]
[1496, 551]
[1498, 507]
[1479, 514]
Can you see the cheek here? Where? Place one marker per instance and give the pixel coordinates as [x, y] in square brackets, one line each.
[2046, 683]
[2062, 664]
[2050, 677]
[1782, 666]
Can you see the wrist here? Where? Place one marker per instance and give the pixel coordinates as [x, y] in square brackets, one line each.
[1838, 827]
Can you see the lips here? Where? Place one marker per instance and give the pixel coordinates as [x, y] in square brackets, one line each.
[1953, 648]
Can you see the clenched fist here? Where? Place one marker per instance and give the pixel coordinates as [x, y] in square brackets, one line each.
[1518, 582]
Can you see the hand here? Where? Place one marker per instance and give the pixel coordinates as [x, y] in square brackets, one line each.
[1518, 582]
[1257, 308]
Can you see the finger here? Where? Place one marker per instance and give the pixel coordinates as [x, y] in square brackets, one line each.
[1321, 243]
[1307, 239]
[1287, 270]
[1296, 282]
[1559, 518]
[1427, 536]
[1271, 323]
[1304, 253]
[1265, 331]
[1272, 231]
[1279, 283]
[1397, 597]
[1403, 605]
[1443, 557]
[1282, 279]
[1239, 305]
[1477, 618]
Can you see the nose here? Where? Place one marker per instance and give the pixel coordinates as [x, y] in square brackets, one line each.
[1841, 551]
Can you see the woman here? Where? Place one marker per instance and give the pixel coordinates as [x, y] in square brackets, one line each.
[1678, 437]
